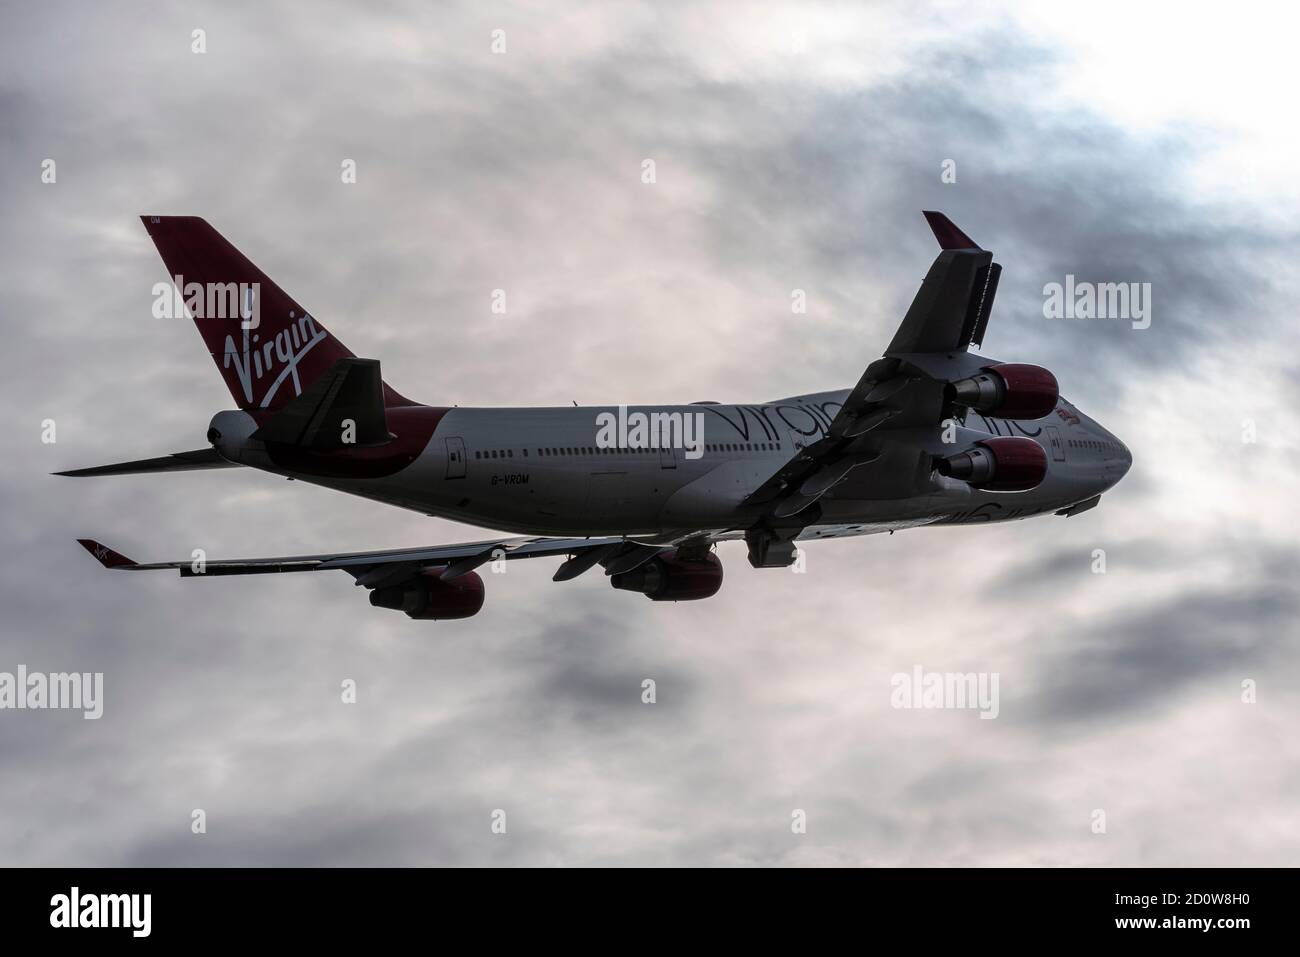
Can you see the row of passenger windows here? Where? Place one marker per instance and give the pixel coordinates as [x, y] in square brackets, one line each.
[744, 447]
[1097, 445]
[587, 450]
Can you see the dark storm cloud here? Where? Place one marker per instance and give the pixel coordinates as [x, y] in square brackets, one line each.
[1149, 653]
[824, 187]
[522, 172]
[1146, 658]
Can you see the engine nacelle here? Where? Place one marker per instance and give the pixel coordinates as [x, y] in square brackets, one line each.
[668, 577]
[1004, 464]
[429, 598]
[1011, 390]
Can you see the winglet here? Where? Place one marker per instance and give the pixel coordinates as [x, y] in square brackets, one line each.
[949, 236]
[106, 556]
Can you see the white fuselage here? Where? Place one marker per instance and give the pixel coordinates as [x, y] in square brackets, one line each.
[543, 471]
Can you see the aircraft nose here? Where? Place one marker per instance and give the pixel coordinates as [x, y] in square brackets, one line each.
[1123, 461]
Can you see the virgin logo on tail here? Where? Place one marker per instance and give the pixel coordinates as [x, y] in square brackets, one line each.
[279, 354]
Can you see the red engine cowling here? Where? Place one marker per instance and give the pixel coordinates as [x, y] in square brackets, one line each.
[1005, 464]
[1011, 390]
[429, 598]
[668, 577]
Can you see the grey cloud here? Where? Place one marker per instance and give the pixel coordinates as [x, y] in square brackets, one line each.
[1147, 658]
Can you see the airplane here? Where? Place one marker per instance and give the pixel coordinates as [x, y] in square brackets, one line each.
[932, 434]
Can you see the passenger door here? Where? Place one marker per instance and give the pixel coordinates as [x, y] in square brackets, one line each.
[1055, 443]
[455, 458]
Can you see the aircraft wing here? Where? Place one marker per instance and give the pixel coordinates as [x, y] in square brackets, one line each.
[949, 314]
[384, 567]
[951, 309]
[903, 389]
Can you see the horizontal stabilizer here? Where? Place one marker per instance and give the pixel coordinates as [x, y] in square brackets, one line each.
[177, 462]
[343, 408]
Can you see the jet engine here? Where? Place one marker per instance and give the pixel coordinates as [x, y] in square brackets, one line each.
[1011, 390]
[1004, 464]
[669, 577]
[429, 598]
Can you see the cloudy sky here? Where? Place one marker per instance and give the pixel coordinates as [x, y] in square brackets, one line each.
[794, 147]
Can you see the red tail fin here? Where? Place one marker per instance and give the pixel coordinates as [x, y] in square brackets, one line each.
[267, 347]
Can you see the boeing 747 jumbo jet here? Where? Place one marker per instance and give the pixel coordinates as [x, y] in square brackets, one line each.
[932, 434]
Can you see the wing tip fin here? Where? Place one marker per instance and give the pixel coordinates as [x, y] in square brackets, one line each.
[946, 231]
[105, 555]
